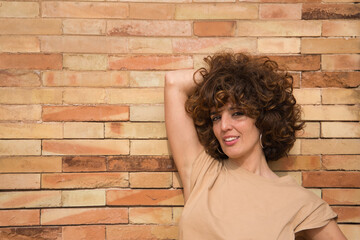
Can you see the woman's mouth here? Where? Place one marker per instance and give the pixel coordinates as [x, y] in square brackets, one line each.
[230, 140]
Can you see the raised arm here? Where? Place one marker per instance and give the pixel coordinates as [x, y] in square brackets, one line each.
[331, 231]
[182, 137]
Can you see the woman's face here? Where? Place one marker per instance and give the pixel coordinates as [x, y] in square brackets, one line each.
[237, 134]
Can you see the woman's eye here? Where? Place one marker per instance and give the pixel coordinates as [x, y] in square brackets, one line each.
[215, 118]
[238, 114]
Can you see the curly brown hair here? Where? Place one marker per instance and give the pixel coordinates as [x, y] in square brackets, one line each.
[259, 88]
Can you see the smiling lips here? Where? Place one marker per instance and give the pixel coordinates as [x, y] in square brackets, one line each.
[230, 140]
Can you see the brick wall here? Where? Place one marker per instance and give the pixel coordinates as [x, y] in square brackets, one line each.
[83, 151]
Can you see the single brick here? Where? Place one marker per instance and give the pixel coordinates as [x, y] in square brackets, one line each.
[19, 78]
[330, 146]
[85, 147]
[134, 130]
[273, 28]
[298, 63]
[151, 180]
[330, 11]
[31, 233]
[296, 163]
[85, 79]
[83, 232]
[278, 45]
[85, 113]
[30, 164]
[331, 179]
[149, 113]
[311, 130]
[348, 214]
[84, 180]
[150, 45]
[146, 79]
[340, 62]
[37, 61]
[341, 162]
[19, 9]
[31, 130]
[85, 9]
[205, 45]
[135, 96]
[341, 196]
[131, 232]
[14, 44]
[150, 215]
[19, 181]
[30, 96]
[340, 28]
[148, 28]
[84, 164]
[217, 11]
[340, 130]
[84, 26]
[307, 96]
[20, 147]
[280, 11]
[151, 11]
[143, 197]
[85, 62]
[141, 163]
[330, 112]
[20, 112]
[84, 96]
[37, 26]
[79, 198]
[83, 130]
[70, 216]
[340, 96]
[214, 28]
[149, 147]
[19, 217]
[30, 199]
[150, 62]
[330, 79]
[330, 45]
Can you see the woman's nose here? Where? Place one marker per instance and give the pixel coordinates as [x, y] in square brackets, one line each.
[225, 123]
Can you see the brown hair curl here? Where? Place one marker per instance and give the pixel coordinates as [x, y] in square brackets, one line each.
[259, 88]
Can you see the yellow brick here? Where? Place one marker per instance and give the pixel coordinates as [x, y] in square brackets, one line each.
[295, 150]
[30, 199]
[31, 130]
[85, 62]
[31, 26]
[289, 28]
[340, 129]
[135, 95]
[177, 211]
[84, 26]
[330, 146]
[20, 112]
[279, 45]
[147, 113]
[331, 113]
[280, 11]
[340, 96]
[135, 130]
[20, 147]
[199, 61]
[83, 130]
[150, 45]
[217, 11]
[84, 95]
[30, 164]
[151, 180]
[340, 62]
[150, 215]
[311, 130]
[78, 198]
[177, 180]
[342, 162]
[14, 44]
[149, 147]
[19, 181]
[351, 231]
[30, 96]
[307, 96]
[328, 45]
[340, 28]
[147, 79]
[19, 9]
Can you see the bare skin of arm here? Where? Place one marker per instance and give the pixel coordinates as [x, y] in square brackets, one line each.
[182, 136]
[331, 231]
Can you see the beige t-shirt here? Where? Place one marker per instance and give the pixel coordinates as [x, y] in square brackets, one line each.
[231, 203]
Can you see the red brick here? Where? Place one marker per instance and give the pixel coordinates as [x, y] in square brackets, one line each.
[30, 61]
[330, 79]
[296, 163]
[85, 9]
[331, 179]
[341, 196]
[341, 162]
[19, 78]
[280, 11]
[330, 11]
[143, 232]
[151, 11]
[83, 164]
[34, 233]
[83, 232]
[150, 62]
[19, 217]
[141, 164]
[214, 29]
[148, 28]
[31, 26]
[85, 113]
[298, 63]
[84, 180]
[348, 214]
[144, 197]
[72, 216]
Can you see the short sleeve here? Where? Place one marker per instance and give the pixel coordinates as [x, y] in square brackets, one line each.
[315, 214]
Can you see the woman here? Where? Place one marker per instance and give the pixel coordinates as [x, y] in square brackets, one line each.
[224, 124]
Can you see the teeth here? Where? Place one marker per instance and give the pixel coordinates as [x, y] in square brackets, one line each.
[230, 139]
